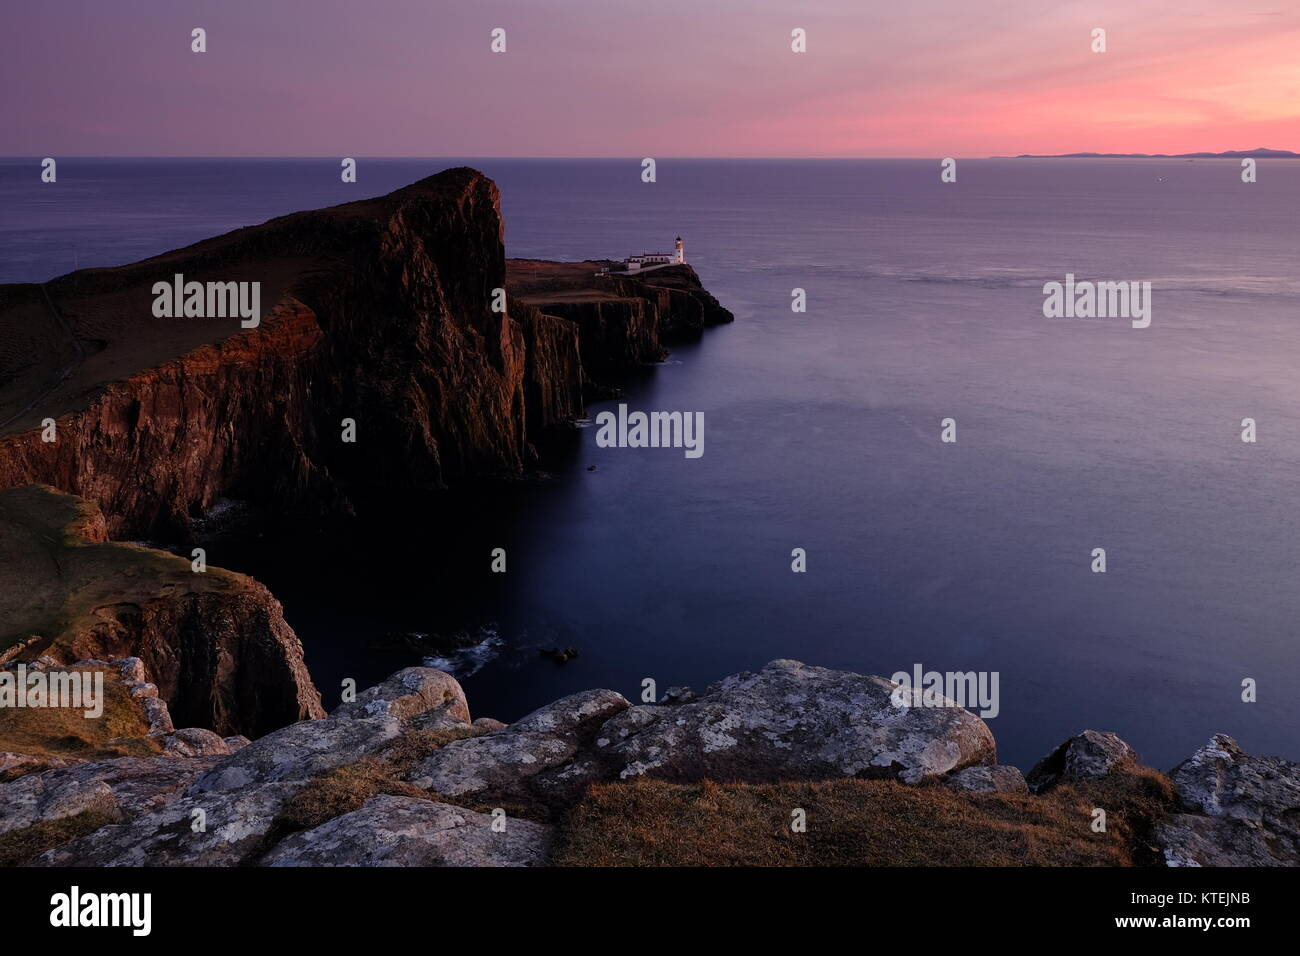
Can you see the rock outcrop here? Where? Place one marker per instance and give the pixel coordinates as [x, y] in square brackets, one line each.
[1085, 756]
[792, 721]
[401, 831]
[1240, 810]
[788, 721]
[403, 777]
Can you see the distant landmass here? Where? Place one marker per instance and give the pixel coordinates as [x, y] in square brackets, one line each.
[1259, 153]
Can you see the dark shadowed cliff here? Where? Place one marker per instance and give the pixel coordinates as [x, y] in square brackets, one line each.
[215, 643]
[377, 311]
[379, 314]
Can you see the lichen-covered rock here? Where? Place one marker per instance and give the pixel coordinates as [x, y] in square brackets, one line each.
[13, 765]
[1241, 810]
[37, 799]
[411, 692]
[1086, 756]
[500, 762]
[158, 715]
[195, 742]
[299, 751]
[237, 742]
[402, 831]
[794, 721]
[208, 829]
[489, 724]
[995, 779]
[138, 784]
[506, 761]
[573, 713]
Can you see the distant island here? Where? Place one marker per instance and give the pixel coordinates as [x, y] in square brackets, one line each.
[1258, 153]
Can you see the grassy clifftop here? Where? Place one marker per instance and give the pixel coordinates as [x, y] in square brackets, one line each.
[62, 578]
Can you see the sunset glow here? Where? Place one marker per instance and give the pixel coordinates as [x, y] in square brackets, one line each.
[942, 77]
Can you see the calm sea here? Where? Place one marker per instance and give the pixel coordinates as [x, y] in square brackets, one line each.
[924, 302]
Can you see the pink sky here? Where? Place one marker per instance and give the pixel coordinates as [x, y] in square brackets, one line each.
[625, 78]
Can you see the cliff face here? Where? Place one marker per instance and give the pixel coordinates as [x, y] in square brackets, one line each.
[622, 321]
[378, 311]
[215, 643]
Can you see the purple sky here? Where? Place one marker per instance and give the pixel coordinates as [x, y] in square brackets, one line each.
[668, 78]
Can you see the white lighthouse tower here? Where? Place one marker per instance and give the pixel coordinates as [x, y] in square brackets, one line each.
[679, 252]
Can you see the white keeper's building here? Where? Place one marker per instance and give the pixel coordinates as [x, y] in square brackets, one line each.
[651, 260]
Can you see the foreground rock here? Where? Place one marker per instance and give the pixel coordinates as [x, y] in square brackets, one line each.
[1241, 810]
[299, 752]
[413, 692]
[35, 799]
[792, 721]
[545, 757]
[400, 831]
[226, 814]
[215, 829]
[401, 777]
[789, 721]
[1086, 756]
[998, 779]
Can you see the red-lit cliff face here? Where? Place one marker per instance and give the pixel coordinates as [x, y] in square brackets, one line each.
[378, 311]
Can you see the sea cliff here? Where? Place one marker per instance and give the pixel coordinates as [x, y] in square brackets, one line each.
[380, 312]
[382, 318]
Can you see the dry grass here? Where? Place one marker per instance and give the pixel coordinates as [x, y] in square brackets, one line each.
[341, 790]
[66, 732]
[414, 745]
[62, 581]
[345, 789]
[862, 823]
[19, 847]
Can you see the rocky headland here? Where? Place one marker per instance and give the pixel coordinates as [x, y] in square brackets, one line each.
[384, 313]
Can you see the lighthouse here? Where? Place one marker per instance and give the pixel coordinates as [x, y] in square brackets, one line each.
[679, 252]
